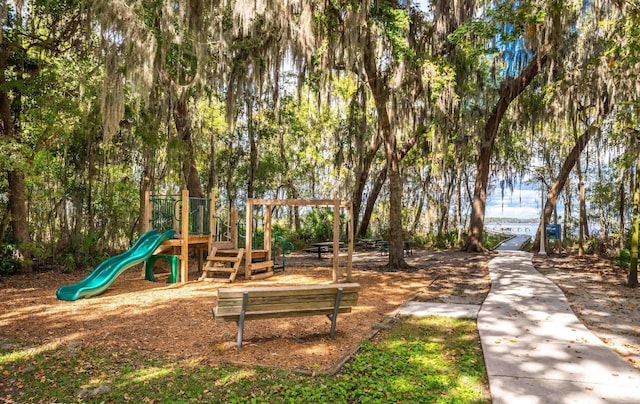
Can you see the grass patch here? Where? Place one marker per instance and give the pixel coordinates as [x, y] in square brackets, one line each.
[434, 360]
[491, 240]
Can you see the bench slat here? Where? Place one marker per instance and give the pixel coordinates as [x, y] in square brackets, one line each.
[279, 314]
[289, 298]
[226, 293]
[235, 310]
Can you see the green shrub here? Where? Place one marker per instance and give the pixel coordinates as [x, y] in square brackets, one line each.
[9, 264]
[623, 259]
[491, 240]
[591, 245]
[318, 224]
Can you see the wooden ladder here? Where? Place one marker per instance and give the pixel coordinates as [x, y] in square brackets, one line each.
[222, 261]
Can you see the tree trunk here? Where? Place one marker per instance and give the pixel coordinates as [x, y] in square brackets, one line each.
[569, 162]
[581, 223]
[421, 202]
[17, 195]
[567, 212]
[445, 204]
[253, 149]
[146, 184]
[621, 209]
[371, 202]
[604, 231]
[18, 207]
[365, 156]
[212, 178]
[4, 223]
[377, 187]
[458, 204]
[632, 279]
[183, 127]
[509, 91]
[380, 90]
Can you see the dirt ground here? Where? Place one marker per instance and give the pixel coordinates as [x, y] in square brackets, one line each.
[176, 321]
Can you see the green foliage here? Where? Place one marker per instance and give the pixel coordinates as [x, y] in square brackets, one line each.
[434, 240]
[491, 240]
[432, 360]
[318, 225]
[623, 258]
[82, 252]
[395, 26]
[591, 245]
[9, 265]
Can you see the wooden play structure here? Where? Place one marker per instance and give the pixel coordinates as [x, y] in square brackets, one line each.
[194, 227]
[336, 204]
[198, 228]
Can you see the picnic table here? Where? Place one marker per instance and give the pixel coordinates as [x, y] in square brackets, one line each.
[383, 247]
[325, 246]
[368, 243]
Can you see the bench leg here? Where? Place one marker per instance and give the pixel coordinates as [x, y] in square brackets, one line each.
[245, 300]
[334, 317]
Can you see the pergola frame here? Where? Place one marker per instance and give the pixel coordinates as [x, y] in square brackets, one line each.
[336, 204]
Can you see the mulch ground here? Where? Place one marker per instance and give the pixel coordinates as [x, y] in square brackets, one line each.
[164, 320]
[175, 320]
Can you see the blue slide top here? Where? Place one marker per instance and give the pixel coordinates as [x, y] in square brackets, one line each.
[105, 273]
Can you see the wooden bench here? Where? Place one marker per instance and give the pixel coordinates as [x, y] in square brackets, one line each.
[240, 304]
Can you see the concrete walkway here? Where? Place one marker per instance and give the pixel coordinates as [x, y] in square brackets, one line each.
[536, 350]
[515, 243]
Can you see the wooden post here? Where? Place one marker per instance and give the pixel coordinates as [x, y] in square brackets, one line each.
[184, 245]
[267, 231]
[146, 213]
[248, 239]
[212, 218]
[336, 240]
[350, 239]
[233, 226]
[146, 219]
[176, 214]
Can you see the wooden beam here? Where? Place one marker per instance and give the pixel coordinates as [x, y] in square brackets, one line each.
[336, 241]
[350, 240]
[146, 219]
[176, 215]
[212, 215]
[267, 231]
[248, 239]
[300, 202]
[184, 248]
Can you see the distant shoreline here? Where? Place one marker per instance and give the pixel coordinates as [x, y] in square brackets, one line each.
[510, 220]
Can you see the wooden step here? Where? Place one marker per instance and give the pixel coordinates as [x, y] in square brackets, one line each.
[227, 270]
[263, 275]
[223, 280]
[214, 258]
[261, 265]
[223, 245]
[217, 258]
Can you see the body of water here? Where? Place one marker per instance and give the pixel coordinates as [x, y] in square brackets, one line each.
[528, 229]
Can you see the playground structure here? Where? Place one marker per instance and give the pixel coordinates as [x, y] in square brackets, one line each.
[173, 224]
[336, 204]
[198, 227]
[105, 273]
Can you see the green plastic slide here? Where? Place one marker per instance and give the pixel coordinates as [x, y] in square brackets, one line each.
[105, 273]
